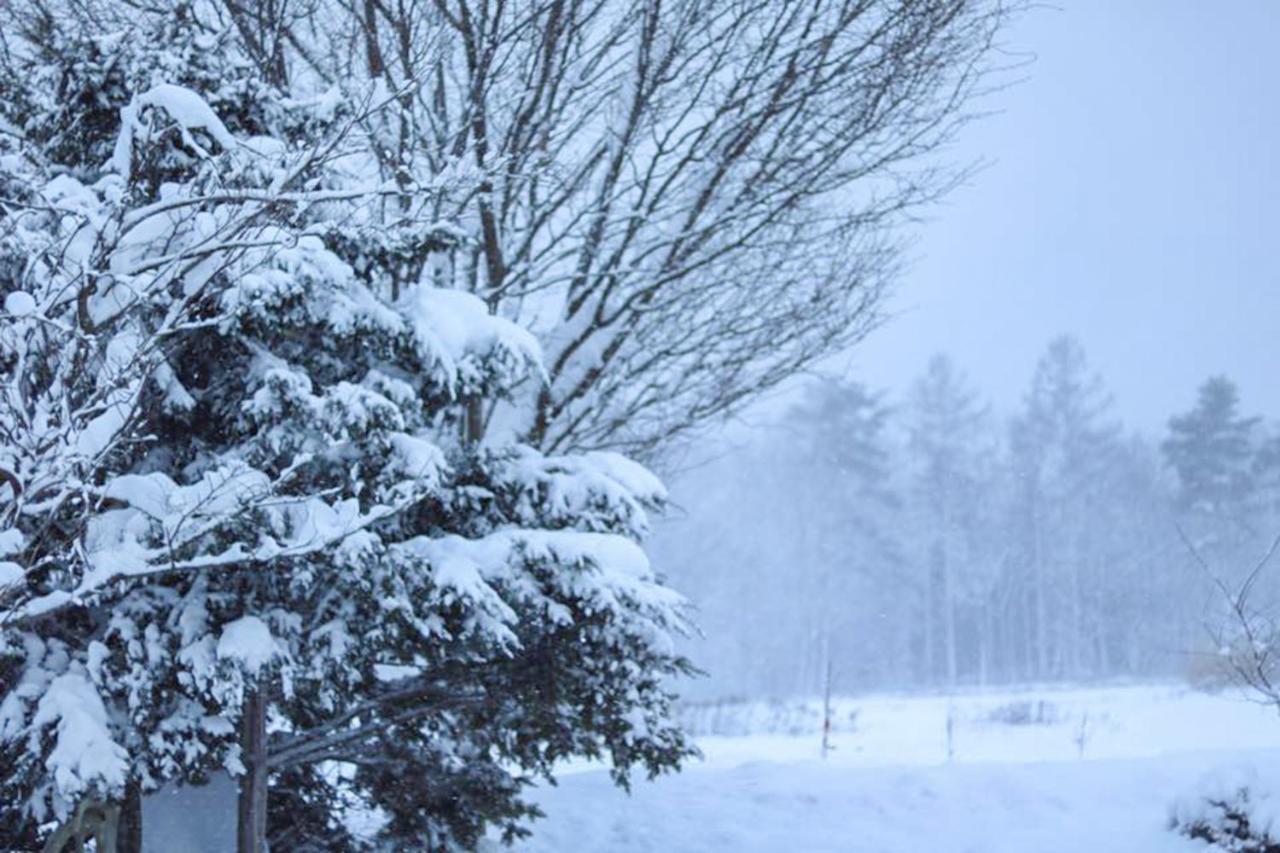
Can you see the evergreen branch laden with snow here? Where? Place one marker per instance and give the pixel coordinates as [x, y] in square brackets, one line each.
[234, 463]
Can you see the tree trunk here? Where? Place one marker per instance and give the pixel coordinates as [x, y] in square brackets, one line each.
[130, 836]
[1077, 657]
[473, 422]
[1041, 600]
[985, 620]
[949, 615]
[251, 829]
[928, 623]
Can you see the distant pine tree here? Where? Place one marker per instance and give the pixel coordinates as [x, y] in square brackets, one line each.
[1211, 449]
[1063, 449]
[842, 449]
[945, 444]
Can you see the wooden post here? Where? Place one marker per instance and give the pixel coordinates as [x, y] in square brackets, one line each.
[951, 730]
[251, 828]
[1082, 735]
[826, 709]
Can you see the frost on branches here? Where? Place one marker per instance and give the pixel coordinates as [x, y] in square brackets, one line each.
[233, 463]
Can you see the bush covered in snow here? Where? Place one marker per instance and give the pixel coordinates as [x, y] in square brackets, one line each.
[736, 718]
[1025, 712]
[1230, 812]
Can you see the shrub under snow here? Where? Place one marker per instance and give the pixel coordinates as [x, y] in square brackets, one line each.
[1230, 812]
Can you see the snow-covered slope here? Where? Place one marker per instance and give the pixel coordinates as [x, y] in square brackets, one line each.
[1109, 806]
[1011, 787]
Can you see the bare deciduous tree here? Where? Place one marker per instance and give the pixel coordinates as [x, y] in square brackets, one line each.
[1247, 639]
[691, 199]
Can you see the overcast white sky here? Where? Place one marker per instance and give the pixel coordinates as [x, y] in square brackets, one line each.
[1133, 202]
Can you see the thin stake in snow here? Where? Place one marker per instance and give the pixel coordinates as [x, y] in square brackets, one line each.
[1082, 734]
[951, 730]
[827, 745]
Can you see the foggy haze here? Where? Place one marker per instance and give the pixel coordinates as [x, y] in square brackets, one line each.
[1132, 200]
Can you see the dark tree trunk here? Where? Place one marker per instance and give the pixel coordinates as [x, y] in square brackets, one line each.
[130, 838]
[251, 829]
[473, 429]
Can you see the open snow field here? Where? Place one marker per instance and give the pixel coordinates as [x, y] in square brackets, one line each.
[1031, 771]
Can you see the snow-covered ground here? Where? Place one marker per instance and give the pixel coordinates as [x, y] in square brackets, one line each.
[1020, 777]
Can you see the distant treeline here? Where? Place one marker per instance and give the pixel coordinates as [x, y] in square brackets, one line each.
[928, 542]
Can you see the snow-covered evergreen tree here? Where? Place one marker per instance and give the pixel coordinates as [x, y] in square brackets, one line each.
[242, 527]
